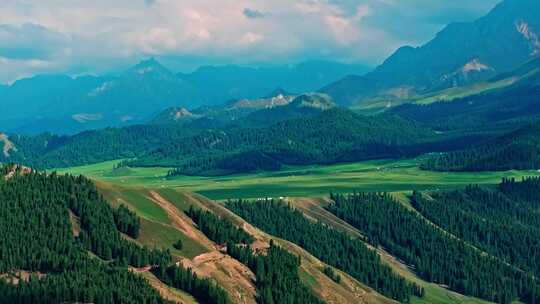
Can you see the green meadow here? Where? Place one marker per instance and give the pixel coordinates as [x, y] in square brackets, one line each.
[316, 180]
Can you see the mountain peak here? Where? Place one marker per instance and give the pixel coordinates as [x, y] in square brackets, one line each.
[314, 100]
[149, 66]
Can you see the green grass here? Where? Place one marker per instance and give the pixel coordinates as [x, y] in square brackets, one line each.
[460, 92]
[137, 199]
[382, 175]
[163, 236]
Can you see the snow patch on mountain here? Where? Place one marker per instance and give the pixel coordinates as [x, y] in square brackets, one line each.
[475, 66]
[102, 88]
[86, 117]
[530, 35]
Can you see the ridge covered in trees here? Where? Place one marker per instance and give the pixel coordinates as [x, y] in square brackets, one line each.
[205, 290]
[217, 229]
[278, 280]
[518, 150]
[330, 246]
[336, 135]
[36, 237]
[512, 106]
[503, 222]
[435, 255]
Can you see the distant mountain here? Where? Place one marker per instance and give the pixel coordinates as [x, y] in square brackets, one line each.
[174, 115]
[519, 150]
[222, 83]
[460, 54]
[221, 115]
[510, 105]
[249, 112]
[302, 106]
[66, 105]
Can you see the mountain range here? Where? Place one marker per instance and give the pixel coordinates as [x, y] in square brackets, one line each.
[461, 54]
[67, 105]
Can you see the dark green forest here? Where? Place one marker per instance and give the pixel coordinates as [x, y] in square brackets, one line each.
[47, 151]
[277, 272]
[36, 236]
[337, 135]
[205, 290]
[503, 221]
[512, 106]
[330, 246]
[436, 256]
[518, 150]
[217, 229]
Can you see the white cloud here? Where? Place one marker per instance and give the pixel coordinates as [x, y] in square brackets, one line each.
[98, 36]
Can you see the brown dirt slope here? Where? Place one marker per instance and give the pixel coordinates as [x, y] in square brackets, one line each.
[348, 291]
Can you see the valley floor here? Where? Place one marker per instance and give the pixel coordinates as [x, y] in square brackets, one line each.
[310, 181]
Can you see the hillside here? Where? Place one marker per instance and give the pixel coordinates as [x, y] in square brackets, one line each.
[249, 112]
[165, 218]
[519, 150]
[47, 257]
[50, 151]
[460, 54]
[335, 135]
[515, 103]
[308, 130]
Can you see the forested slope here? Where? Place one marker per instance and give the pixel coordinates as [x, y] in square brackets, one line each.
[333, 247]
[334, 136]
[503, 221]
[37, 238]
[518, 150]
[435, 255]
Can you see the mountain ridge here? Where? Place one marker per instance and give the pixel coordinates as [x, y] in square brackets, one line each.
[496, 43]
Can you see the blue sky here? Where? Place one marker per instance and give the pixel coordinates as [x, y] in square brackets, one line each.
[101, 36]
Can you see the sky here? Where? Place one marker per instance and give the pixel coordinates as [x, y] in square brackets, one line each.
[105, 36]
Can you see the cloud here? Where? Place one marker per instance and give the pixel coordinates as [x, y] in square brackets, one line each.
[253, 13]
[103, 36]
[30, 41]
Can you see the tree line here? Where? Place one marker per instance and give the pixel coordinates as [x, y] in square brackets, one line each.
[330, 246]
[436, 256]
[277, 270]
[503, 221]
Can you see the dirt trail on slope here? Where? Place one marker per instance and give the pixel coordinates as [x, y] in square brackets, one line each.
[230, 273]
[181, 221]
[234, 276]
[262, 240]
[16, 276]
[75, 223]
[349, 291]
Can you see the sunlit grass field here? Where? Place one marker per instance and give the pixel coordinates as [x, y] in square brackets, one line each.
[382, 175]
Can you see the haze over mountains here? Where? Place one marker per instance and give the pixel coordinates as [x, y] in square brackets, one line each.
[61, 104]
